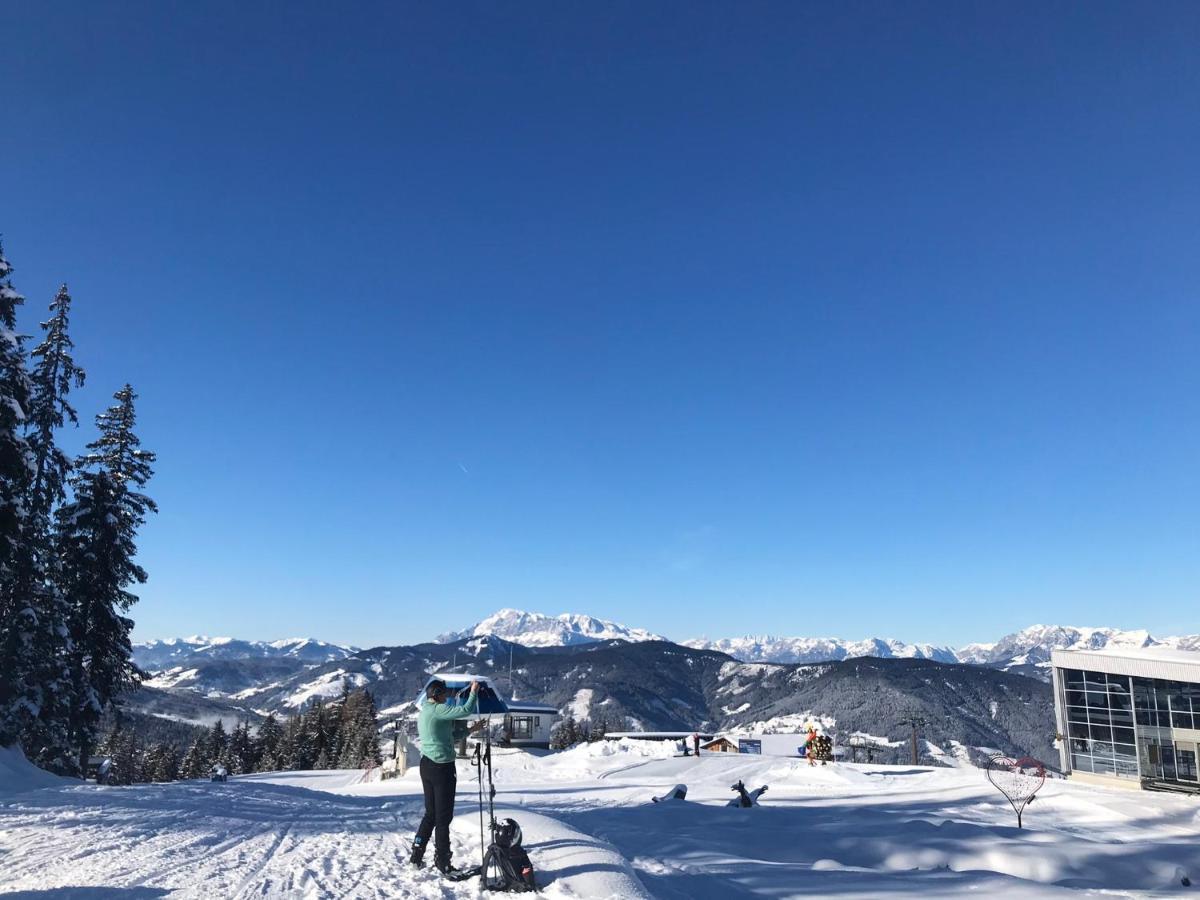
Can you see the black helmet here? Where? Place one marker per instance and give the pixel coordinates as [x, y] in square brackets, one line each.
[508, 833]
[435, 689]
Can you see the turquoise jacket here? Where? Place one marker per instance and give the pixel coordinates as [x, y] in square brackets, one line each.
[436, 727]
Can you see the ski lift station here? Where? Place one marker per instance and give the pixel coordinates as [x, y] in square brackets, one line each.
[522, 724]
[1129, 716]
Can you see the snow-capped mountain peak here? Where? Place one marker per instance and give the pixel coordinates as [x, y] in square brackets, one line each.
[533, 629]
[1032, 645]
[166, 653]
[767, 648]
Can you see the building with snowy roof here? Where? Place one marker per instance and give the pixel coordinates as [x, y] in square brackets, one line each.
[528, 724]
[522, 724]
[1129, 716]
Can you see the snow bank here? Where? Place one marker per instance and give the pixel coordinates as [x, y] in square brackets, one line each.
[568, 862]
[19, 774]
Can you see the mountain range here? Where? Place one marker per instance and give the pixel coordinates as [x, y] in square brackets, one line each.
[156, 655]
[1026, 651]
[540, 630]
[647, 685]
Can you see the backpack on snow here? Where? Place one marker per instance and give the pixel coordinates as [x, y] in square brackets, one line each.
[506, 865]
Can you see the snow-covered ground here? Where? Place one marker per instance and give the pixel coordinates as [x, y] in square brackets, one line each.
[836, 831]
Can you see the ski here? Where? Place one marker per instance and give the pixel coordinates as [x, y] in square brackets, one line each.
[463, 874]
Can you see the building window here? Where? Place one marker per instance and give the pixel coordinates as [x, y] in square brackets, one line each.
[1100, 717]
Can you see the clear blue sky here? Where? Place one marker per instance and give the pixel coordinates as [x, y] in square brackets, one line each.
[837, 319]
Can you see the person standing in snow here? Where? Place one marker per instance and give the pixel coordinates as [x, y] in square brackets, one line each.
[696, 741]
[438, 725]
[810, 745]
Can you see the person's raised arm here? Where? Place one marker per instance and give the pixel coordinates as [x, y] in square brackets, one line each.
[442, 711]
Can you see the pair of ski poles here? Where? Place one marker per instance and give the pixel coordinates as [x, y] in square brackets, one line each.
[482, 757]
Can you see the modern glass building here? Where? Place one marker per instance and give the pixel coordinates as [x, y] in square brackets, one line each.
[1129, 716]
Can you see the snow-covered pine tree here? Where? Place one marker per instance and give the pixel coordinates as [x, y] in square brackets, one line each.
[368, 716]
[300, 742]
[286, 753]
[18, 619]
[157, 765]
[323, 727]
[195, 762]
[122, 748]
[47, 740]
[96, 536]
[565, 734]
[218, 742]
[270, 733]
[169, 764]
[241, 750]
[360, 732]
[599, 727]
[162, 762]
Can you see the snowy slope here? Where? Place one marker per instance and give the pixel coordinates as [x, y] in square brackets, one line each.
[846, 831]
[289, 835]
[18, 774]
[539, 630]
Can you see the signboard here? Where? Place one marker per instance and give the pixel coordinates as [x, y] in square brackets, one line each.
[747, 745]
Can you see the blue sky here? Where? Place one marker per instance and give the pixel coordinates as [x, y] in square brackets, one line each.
[838, 319]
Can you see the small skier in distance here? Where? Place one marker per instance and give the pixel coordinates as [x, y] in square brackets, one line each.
[696, 743]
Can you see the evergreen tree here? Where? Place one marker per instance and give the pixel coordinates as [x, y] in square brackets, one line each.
[19, 693]
[270, 733]
[121, 747]
[241, 750]
[565, 734]
[161, 762]
[287, 753]
[195, 762]
[599, 727]
[96, 536]
[218, 743]
[302, 752]
[360, 732]
[47, 740]
[322, 724]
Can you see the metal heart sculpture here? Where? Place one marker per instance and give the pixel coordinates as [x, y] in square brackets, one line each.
[1017, 779]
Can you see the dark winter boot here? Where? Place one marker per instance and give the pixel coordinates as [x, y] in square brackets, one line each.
[442, 864]
[417, 857]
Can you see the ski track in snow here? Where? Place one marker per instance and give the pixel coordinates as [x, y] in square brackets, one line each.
[248, 839]
[846, 831]
[285, 835]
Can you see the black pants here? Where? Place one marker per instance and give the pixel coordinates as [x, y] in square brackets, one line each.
[440, 782]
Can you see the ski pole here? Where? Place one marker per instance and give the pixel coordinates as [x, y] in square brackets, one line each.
[479, 772]
[491, 783]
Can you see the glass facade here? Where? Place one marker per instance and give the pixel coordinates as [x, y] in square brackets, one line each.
[1111, 717]
[1099, 713]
